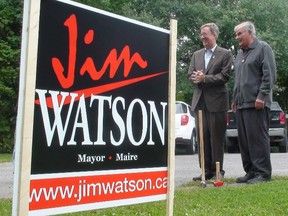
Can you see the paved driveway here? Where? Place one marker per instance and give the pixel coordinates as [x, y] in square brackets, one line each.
[186, 167]
[6, 180]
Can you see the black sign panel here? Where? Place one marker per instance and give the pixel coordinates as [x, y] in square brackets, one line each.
[101, 92]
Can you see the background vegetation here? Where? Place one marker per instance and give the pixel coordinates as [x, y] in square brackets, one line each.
[269, 16]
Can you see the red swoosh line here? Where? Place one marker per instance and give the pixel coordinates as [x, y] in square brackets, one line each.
[101, 89]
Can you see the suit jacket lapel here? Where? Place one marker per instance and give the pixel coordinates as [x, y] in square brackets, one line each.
[202, 59]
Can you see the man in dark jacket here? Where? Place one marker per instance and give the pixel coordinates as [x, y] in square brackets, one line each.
[255, 73]
[209, 71]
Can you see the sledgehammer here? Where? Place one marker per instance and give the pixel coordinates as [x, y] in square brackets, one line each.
[218, 182]
[202, 160]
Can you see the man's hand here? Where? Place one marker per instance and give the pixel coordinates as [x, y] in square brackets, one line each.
[197, 76]
[259, 104]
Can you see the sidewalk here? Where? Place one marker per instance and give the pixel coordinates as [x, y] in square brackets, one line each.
[186, 166]
[6, 180]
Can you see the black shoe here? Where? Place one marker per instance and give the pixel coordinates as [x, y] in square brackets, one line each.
[245, 178]
[258, 179]
[208, 176]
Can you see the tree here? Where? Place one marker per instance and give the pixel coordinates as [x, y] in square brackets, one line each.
[10, 31]
[191, 14]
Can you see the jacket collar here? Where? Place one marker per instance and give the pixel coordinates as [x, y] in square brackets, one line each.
[252, 45]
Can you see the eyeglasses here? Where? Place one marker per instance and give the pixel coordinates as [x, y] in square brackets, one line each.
[204, 34]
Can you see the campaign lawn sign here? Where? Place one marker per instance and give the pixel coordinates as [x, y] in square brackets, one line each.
[93, 117]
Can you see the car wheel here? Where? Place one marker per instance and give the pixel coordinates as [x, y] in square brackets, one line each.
[191, 148]
[283, 145]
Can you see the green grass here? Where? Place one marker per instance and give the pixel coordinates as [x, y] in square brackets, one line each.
[261, 199]
[5, 158]
[5, 207]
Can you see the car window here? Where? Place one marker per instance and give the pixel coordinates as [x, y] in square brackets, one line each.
[275, 107]
[180, 108]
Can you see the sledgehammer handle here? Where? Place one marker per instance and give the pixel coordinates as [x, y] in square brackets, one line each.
[217, 171]
[201, 145]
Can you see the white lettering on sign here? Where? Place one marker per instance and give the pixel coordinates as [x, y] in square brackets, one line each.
[83, 158]
[58, 123]
[126, 157]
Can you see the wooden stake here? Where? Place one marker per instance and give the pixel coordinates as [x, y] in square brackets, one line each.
[203, 183]
[217, 171]
[25, 112]
[171, 116]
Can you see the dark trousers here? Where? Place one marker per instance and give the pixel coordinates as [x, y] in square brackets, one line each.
[214, 127]
[254, 141]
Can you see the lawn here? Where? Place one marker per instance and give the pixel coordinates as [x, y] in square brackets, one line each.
[261, 199]
[5, 158]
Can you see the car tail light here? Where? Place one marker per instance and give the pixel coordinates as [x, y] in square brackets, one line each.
[282, 118]
[184, 120]
[227, 119]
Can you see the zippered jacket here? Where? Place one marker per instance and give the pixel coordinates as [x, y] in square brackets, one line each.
[255, 75]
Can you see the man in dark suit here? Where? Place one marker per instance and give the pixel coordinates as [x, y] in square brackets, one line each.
[209, 71]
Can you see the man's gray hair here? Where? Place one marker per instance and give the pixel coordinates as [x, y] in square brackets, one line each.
[248, 26]
[213, 28]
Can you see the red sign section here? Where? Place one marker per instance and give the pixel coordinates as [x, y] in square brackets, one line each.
[60, 192]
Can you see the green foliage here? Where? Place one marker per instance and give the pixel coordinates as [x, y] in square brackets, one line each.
[263, 13]
[10, 31]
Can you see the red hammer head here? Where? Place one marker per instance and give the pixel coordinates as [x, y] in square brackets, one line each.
[218, 183]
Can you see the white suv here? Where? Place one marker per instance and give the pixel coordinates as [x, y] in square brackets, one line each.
[185, 130]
